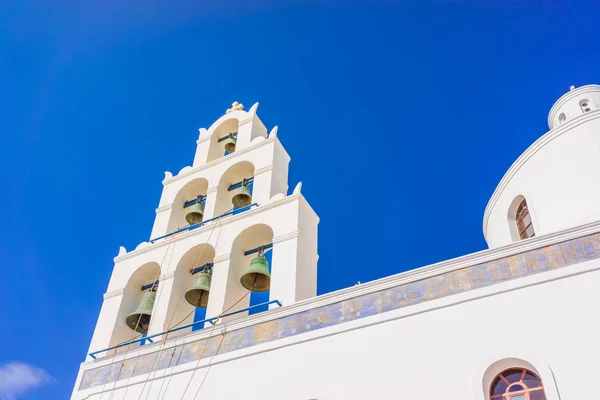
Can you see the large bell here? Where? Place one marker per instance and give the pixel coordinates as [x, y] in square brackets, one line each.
[195, 213]
[258, 278]
[139, 320]
[229, 144]
[198, 294]
[242, 198]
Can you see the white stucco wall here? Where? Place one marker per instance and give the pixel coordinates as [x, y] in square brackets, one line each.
[556, 175]
[445, 348]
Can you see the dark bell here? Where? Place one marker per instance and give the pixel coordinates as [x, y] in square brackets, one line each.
[195, 213]
[229, 144]
[198, 294]
[258, 278]
[242, 198]
[139, 320]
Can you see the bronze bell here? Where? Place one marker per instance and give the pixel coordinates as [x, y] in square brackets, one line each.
[195, 213]
[198, 294]
[230, 143]
[243, 197]
[258, 278]
[139, 320]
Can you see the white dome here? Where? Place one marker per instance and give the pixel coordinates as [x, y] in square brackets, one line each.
[557, 175]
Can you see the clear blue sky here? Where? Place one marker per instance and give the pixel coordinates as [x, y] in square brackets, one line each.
[411, 110]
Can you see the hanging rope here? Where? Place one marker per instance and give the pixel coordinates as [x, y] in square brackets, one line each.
[179, 298]
[136, 325]
[163, 342]
[204, 348]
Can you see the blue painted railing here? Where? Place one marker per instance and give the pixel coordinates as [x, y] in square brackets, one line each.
[212, 321]
[198, 225]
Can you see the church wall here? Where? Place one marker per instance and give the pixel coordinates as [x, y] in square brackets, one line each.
[535, 302]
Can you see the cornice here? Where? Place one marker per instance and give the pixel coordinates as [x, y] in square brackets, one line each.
[245, 121]
[418, 274]
[218, 161]
[113, 293]
[166, 207]
[206, 228]
[530, 152]
[378, 285]
[283, 238]
[204, 138]
[263, 169]
[221, 258]
[166, 276]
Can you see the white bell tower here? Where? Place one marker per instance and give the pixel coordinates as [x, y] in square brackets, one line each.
[223, 240]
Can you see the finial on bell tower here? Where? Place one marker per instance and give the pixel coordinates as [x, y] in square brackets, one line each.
[235, 106]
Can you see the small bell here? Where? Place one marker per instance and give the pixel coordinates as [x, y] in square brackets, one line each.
[230, 143]
[195, 213]
[243, 197]
[258, 278]
[198, 294]
[139, 320]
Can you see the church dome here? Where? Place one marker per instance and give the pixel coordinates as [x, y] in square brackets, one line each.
[552, 186]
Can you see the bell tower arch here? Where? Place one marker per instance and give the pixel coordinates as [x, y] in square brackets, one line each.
[225, 227]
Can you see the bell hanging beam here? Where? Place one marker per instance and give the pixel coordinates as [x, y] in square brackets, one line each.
[243, 197]
[258, 278]
[139, 320]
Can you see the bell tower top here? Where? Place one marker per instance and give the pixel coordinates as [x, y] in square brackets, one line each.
[575, 103]
[235, 106]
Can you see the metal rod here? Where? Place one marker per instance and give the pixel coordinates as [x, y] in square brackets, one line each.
[234, 134]
[198, 225]
[239, 184]
[93, 354]
[149, 286]
[190, 203]
[202, 268]
[264, 247]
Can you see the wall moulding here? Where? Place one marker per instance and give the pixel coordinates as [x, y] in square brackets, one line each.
[359, 302]
[219, 160]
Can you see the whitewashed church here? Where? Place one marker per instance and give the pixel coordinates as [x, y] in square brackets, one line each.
[519, 321]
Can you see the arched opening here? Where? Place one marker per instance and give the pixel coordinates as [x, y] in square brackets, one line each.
[517, 384]
[232, 177]
[520, 220]
[219, 139]
[133, 294]
[185, 209]
[179, 311]
[246, 242]
[562, 118]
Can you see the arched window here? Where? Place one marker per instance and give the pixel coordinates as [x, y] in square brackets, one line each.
[523, 220]
[517, 384]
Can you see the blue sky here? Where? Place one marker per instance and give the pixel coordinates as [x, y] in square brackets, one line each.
[400, 118]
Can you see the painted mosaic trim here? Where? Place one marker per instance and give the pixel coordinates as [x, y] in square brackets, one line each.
[462, 280]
